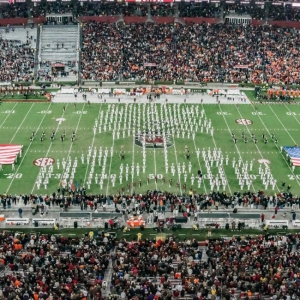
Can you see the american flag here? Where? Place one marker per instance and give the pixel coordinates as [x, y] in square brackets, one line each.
[9, 153]
[294, 155]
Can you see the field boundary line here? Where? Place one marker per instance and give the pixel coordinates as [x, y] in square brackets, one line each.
[256, 144]
[19, 127]
[49, 148]
[11, 182]
[237, 148]
[8, 115]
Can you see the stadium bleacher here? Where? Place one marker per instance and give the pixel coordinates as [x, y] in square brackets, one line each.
[174, 47]
[59, 47]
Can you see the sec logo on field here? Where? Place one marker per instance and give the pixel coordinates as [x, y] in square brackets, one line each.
[44, 162]
[243, 122]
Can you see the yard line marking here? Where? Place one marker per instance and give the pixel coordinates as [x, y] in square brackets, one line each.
[278, 146]
[133, 143]
[175, 150]
[292, 115]
[152, 111]
[237, 149]
[109, 170]
[71, 146]
[213, 138]
[21, 123]
[11, 182]
[256, 144]
[58, 125]
[282, 125]
[204, 185]
[8, 115]
[93, 141]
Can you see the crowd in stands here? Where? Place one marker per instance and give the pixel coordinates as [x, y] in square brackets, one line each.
[247, 268]
[256, 12]
[203, 10]
[41, 266]
[168, 52]
[205, 53]
[154, 202]
[284, 13]
[54, 267]
[16, 60]
[43, 8]
[18, 10]
[185, 9]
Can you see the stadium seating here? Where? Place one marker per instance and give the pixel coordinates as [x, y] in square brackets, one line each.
[59, 45]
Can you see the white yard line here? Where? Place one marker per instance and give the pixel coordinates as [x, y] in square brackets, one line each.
[292, 115]
[277, 145]
[109, 170]
[71, 146]
[133, 144]
[237, 149]
[175, 151]
[58, 125]
[204, 185]
[282, 125]
[20, 126]
[28, 147]
[93, 141]
[8, 115]
[217, 148]
[152, 109]
[258, 150]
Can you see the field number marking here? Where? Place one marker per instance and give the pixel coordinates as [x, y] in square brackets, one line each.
[12, 175]
[159, 176]
[79, 112]
[258, 113]
[223, 113]
[294, 177]
[45, 112]
[9, 112]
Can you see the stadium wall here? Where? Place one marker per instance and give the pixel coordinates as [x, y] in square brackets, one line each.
[136, 20]
[158, 20]
[285, 24]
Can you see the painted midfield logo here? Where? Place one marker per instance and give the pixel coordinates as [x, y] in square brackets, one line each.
[152, 140]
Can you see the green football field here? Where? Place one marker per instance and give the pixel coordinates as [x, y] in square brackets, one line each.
[18, 120]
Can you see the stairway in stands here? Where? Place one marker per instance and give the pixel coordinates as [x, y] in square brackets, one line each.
[108, 275]
[59, 44]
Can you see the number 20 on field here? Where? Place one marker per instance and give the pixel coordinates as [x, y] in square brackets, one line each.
[12, 175]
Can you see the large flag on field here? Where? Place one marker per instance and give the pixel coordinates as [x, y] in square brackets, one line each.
[9, 153]
[294, 155]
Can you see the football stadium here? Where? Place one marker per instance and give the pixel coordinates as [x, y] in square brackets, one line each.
[149, 150]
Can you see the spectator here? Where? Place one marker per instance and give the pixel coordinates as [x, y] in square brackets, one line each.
[197, 52]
